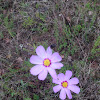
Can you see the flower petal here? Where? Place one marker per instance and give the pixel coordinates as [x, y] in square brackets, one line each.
[56, 81]
[36, 60]
[56, 65]
[43, 74]
[52, 73]
[62, 94]
[57, 88]
[68, 74]
[55, 57]
[36, 69]
[68, 93]
[74, 88]
[41, 52]
[49, 52]
[73, 81]
[61, 77]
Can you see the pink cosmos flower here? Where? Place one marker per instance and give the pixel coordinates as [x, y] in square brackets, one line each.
[65, 84]
[46, 62]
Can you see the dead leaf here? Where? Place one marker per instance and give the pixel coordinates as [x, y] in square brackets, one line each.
[90, 12]
[20, 59]
[7, 40]
[62, 56]
[68, 19]
[9, 56]
[60, 14]
[69, 58]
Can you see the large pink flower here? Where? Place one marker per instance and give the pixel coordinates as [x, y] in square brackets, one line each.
[65, 84]
[46, 62]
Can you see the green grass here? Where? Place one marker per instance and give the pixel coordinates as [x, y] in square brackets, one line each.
[96, 45]
[9, 24]
[30, 24]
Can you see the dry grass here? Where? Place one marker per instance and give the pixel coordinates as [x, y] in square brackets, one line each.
[71, 27]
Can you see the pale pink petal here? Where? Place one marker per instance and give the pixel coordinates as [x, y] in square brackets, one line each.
[43, 74]
[36, 69]
[55, 57]
[52, 73]
[73, 81]
[56, 81]
[68, 74]
[62, 94]
[74, 88]
[68, 93]
[36, 60]
[61, 77]
[56, 65]
[57, 88]
[41, 52]
[49, 52]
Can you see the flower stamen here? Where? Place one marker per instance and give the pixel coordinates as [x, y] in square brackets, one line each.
[47, 62]
[64, 84]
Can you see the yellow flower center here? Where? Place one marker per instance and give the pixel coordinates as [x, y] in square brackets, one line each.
[65, 84]
[47, 62]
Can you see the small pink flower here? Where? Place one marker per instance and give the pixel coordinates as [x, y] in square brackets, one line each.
[46, 62]
[65, 84]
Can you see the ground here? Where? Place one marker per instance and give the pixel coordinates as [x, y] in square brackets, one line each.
[70, 27]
